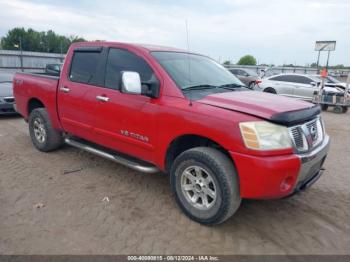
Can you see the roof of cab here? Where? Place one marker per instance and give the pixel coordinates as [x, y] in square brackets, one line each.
[160, 48]
[143, 46]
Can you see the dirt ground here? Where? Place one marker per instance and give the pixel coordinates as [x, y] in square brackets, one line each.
[141, 216]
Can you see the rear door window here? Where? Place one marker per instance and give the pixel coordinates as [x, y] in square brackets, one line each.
[283, 78]
[84, 67]
[303, 80]
[122, 60]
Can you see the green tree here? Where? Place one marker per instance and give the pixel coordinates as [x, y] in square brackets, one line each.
[247, 60]
[31, 40]
[227, 63]
[341, 66]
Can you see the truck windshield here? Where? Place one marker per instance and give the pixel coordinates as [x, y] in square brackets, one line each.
[191, 71]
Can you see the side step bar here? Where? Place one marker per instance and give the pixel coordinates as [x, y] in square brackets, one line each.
[118, 159]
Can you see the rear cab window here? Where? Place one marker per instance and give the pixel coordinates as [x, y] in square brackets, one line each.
[86, 66]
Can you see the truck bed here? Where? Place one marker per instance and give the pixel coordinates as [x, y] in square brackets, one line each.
[30, 89]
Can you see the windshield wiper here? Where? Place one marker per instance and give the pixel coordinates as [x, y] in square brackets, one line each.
[199, 87]
[207, 86]
[231, 86]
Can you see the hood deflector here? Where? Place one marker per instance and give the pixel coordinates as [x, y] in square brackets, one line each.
[296, 117]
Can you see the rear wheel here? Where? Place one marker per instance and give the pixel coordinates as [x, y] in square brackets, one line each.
[205, 185]
[338, 109]
[43, 135]
[345, 109]
[270, 90]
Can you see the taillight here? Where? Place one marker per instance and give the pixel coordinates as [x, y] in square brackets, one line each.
[258, 81]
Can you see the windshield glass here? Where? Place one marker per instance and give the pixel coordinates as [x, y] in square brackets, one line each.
[333, 80]
[188, 70]
[329, 79]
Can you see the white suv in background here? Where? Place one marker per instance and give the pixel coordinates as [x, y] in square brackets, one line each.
[292, 85]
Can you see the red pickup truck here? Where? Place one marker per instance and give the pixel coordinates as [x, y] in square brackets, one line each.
[162, 109]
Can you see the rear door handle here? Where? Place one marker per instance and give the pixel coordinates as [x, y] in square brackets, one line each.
[64, 89]
[102, 98]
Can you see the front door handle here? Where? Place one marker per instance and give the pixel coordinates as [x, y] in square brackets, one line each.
[64, 89]
[102, 98]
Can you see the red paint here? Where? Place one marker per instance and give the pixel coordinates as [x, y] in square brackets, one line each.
[164, 119]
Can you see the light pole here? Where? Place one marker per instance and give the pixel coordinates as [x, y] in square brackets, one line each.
[61, 51]
[21, 52]
[327, 59]
[318, 61]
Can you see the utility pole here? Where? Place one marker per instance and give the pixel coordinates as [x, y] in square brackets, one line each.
[61, 51]
[21, 52]
[318, 61]
[327, 60]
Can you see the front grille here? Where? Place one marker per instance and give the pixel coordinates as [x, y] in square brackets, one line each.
[308, 135]
[297, 135]
[9, 99]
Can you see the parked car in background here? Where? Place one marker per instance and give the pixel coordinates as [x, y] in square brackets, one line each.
[331, 81]
[292, 85]
[247, 76]
[6, 94]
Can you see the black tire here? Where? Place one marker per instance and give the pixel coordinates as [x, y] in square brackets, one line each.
[324, 107]
[338, 109]
[270, 90]
[52, 139]
[345, 109]
[224, 177]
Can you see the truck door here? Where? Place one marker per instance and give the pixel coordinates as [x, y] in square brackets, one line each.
[126, 122]
[77, 102]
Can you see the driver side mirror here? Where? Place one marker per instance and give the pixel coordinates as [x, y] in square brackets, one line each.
[313, 83]
[131, 83]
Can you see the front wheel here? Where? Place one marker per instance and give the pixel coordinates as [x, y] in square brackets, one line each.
[205, 185]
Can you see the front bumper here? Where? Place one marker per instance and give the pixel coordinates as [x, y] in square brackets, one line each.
[311, 166]
[279, 176]
[7, 109]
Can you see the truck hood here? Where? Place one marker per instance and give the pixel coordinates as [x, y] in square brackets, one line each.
[278, 109]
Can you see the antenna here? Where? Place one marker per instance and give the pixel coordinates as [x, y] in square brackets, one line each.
[188, 60]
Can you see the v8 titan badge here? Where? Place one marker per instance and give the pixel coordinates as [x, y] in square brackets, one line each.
[134, 135]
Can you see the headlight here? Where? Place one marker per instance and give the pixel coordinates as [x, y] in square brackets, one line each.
[262, 135]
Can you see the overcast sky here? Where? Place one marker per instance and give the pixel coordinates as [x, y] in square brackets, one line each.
[274, 31]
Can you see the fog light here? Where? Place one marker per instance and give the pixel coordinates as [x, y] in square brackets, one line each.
[287, 183]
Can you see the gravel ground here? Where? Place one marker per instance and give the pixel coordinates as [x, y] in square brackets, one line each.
[45, 211]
